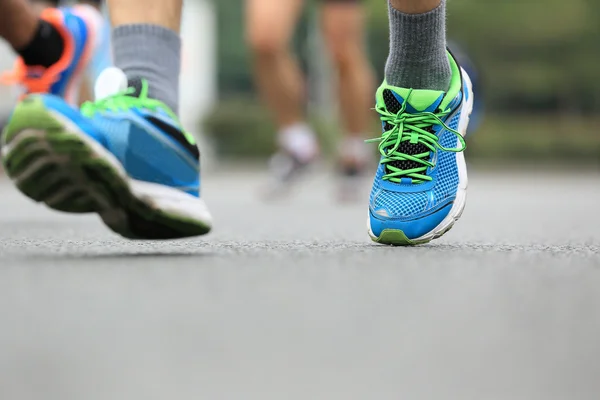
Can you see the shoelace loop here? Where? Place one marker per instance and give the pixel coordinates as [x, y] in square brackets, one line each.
[414, 128]
[125, 100]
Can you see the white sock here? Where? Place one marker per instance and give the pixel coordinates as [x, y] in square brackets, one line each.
[300, 140]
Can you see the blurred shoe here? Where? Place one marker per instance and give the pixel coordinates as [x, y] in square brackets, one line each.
[354, 161]
[78, 28]
[124, 157]
[421, 184]
[350, 184]
[285, 171]
[298, 150]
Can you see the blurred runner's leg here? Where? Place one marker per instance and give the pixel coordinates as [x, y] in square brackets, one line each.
[270, 25]
[344, 32]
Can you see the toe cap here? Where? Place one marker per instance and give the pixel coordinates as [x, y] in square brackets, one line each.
[412, 228]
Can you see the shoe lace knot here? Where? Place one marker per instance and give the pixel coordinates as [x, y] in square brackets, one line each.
[405, 131]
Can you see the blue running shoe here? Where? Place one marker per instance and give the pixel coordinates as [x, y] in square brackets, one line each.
[78, 26]
[421, 184]
[124, 157]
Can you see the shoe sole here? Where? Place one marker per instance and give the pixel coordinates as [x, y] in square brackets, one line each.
[396, 237]
[52, 161]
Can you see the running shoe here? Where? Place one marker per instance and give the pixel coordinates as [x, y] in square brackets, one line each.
[352, 177]
[78, 27]
[351, 183]
[285, 172]
[124, 157]
[421, 184]
[298, 152]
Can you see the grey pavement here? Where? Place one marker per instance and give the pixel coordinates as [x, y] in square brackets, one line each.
[290, 300]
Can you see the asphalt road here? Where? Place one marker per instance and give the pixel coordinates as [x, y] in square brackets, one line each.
[291, 301]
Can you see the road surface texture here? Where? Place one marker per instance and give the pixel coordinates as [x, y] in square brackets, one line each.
[291, 301]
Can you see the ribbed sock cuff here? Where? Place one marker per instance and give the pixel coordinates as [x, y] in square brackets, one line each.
[418, 57]
[153, 53]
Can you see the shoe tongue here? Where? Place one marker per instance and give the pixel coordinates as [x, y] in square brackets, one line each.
[137, 86]
[416, 100]
[110, 82]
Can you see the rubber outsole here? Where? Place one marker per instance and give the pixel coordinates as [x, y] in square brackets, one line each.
[50, 162]
[396, 237]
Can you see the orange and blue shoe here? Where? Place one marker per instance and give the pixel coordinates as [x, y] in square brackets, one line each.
[77, 26]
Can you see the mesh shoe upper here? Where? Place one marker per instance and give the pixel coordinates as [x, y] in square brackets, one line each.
[407, 196]
[407, 201]
[143, 133]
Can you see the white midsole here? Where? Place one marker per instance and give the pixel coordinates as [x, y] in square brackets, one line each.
[171, 200]
[463, 180]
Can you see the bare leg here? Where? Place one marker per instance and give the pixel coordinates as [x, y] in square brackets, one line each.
[343, 25]
[39, 5]
[18, 22]
[165, 13]
[270, 25]
[269, 28]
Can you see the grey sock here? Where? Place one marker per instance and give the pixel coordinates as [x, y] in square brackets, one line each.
[150, 52]
[418, 57]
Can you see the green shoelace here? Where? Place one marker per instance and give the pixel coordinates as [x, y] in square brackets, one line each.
[411, 128]
[124, 100]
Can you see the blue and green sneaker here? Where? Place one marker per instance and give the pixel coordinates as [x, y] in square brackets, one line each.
[421, 184]
[124, 157]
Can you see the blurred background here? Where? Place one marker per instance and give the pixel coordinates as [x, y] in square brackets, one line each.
[290, 301]
[536, 68]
